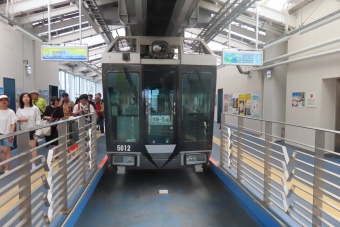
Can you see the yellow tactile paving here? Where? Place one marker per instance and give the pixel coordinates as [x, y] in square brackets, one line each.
[33, 186]
[277, 179]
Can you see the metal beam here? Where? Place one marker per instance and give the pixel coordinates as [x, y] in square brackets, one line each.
[40, 16]
[58, 25]
[223, 40]
[185, 15]
[274, 15]
[97, 51]
[246, 32]
[73, 36]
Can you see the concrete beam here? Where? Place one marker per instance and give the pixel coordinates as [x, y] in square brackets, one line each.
[274, 15]
[40, 16]
[58, 25]
[73, 36]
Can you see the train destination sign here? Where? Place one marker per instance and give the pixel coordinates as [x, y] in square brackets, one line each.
[234, 57]
[64, 53]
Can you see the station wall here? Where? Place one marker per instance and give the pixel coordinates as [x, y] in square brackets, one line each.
[15, 47]
[317, 75]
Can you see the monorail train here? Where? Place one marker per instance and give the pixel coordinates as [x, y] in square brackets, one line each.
[159, 97]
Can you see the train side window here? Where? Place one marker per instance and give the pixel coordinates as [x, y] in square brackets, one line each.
[123, 90]
[196, 90]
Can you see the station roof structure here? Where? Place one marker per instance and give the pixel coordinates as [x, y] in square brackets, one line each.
[103, 20]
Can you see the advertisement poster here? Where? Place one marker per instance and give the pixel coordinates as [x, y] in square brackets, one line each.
[235, 103]
[248, 98]
[255, 105]
[225, 103]
[298, 99]
[241, 104]
[311, 99]
[1, 90]
[45, 95]
[230, 103]
[61, 92]
[18, 92]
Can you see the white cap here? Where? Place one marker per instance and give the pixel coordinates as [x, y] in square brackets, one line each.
[4, 97]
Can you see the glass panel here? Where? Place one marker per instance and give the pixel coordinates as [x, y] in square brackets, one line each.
[123, 90]
[160, 109]
[196, 105]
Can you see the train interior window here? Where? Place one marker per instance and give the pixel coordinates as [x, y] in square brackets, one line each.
[160, 98]
[196, 105]
[123, 99]
[125, 45]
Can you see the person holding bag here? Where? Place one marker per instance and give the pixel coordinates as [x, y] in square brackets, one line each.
[53, 113]
[29, 116]
[7, 125]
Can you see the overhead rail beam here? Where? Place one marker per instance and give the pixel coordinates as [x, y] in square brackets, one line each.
[220, 20]
[185, 15]
[132, 14]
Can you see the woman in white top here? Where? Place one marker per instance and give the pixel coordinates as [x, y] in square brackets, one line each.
[7, 125]
[29, 117]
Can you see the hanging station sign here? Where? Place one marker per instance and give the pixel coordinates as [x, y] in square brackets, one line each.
[64, 53]
[234, 57]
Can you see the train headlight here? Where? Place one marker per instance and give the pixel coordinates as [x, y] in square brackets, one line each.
[124, 160]
[192, 159]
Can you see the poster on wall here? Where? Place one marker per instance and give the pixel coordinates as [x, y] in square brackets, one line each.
[255, 105]
[235, 103]
[18, 92]
[61, 92]
[247, 104]
[46, 96]
[311, 99]
[298, 99]
[225, 103]
[230, 103]
[1, 90]
[241, 106]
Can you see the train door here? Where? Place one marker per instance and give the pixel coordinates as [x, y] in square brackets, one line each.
[159, 88]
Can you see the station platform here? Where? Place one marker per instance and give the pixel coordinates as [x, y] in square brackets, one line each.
[211, 198]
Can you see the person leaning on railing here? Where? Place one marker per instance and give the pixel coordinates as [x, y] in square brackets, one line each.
[7, 125]
[29, 117]
[53, 113]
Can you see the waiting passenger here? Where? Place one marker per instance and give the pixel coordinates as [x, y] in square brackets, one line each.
[53, 113]
[67, 105]
[91, 101]
[100, 113]
[7, 125]
[83, 108]
[29, 117]
[39, 102]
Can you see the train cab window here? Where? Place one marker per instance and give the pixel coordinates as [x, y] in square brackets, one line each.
[196, 105]
[123, 90]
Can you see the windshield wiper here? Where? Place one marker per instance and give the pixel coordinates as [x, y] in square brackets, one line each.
[131, 84]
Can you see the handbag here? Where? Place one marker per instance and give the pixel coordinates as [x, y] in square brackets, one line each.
[45, 131]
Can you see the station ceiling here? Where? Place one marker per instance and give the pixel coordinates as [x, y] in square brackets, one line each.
[102, 21]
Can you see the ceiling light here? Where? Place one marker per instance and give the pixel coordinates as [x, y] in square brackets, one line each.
[283, 39]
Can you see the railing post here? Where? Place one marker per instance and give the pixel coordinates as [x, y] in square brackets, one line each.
[268, 127]
[93, 140]
[318, 175]
[25, 183]
[82, 147]
[221, 140]
[62, 134]
[239, 147]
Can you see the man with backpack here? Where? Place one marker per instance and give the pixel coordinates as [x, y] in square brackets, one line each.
[83, 108]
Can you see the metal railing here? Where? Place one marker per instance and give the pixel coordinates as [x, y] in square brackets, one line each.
[35, 197]
[295, 175]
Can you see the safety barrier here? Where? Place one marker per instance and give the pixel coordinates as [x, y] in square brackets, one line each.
[35, 197]
[297, 180]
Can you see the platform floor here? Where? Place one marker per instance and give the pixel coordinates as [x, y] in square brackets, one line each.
[133, 199]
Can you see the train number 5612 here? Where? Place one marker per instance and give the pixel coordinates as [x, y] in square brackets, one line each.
[123, 147]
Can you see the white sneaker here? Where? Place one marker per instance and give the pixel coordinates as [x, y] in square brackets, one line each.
[33, 166]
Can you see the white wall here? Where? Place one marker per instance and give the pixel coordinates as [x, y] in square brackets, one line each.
[14, 49]
[316, 75]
